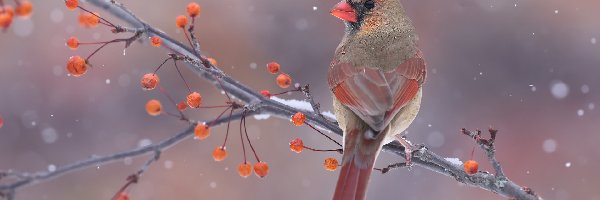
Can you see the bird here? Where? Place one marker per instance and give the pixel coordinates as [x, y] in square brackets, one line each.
[376, 77]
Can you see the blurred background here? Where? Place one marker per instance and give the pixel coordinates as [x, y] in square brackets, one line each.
[527, 68]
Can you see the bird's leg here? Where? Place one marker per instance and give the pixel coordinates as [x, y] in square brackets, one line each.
[408, 148]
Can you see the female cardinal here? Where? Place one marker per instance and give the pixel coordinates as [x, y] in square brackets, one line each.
[376, 77]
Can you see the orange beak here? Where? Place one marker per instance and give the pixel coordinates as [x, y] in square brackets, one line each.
[344, 11]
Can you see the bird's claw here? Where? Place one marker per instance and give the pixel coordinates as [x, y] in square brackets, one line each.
[408, 150]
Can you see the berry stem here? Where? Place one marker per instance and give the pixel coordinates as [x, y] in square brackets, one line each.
[163, 91]
[218, 117]
[187, 36]
[242, 137]
[311, 126]
[321, 150]
[228, 123]
[108, 23]
[224, 106]
[96, 51]
[181, 75]
[250, 143]
[221, 85]
[165, 61]
[285, 92]
[130, 180]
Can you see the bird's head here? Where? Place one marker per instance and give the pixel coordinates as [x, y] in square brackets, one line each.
[366, 14]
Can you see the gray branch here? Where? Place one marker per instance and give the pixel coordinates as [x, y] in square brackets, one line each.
[261, 105]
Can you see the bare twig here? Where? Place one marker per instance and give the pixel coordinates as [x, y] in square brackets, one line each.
[41, 176]
[315, 106]
[488, 146]
[260, 105]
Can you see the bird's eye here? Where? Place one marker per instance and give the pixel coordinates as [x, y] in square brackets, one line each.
[369, 4]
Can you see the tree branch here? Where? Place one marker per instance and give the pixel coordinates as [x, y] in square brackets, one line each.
[260, 105]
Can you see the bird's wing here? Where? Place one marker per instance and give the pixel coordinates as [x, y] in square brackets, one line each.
[374, 95]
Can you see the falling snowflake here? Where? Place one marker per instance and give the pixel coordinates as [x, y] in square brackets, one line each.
[559, 89]
[549, 145]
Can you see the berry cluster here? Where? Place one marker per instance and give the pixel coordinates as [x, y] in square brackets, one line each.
[23, 9]
[330, 164]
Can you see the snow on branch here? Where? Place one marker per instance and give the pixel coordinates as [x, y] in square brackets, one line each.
[256, 104]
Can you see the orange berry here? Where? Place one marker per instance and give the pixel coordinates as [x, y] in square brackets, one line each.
[219, 154]
[155, 41]
[298, 119]
[331, 164]
[6, 17]
[471, 167]
[261, 169]
[150, 81]
[24, 9]
[297, 145]
[1, 122]
[88, 20]
[73, 43]
[284, 80]
[201, 131]
[181, 21]
[193, 9]
[71, 4]
[273, 67]
[9, 10]
[123, 196]
[245, 169]
[153, 107]
[212, 61]
[76, 66]
[265, 93]
[181, 106]
[194, 100]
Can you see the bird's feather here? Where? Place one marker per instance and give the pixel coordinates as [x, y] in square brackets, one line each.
[374, 95]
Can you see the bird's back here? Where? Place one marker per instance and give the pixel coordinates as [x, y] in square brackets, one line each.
[376, 74]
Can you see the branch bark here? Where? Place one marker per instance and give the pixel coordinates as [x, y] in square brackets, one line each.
[260, 105]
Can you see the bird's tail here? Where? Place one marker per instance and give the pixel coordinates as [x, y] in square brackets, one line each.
[360, 154]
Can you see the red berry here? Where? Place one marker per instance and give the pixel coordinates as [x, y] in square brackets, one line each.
[194, 100]
[273, 67]
[471, 167]
[73, 43]
[297, 145]
[181, 106]
[76, 66]
[265, 93]
[181, 21]
[245, 169]
[284, 80]
[261, 169]
[193, 9]
[123, 196]
[71, 4]
[298, 119]
[219, 154]
[150, 81]
[88, 20]
[1, 122]
[201, 131]
[6, 17]
[24, 9]
[153, 107]
[155, 41]
[212, 61]
[331, 164]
